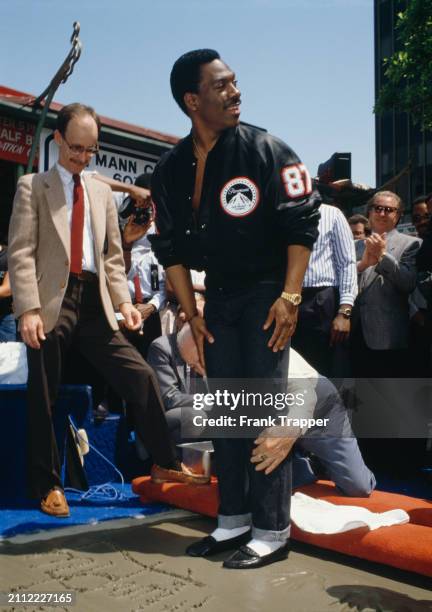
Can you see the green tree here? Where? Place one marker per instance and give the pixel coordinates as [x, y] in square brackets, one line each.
[408, 72]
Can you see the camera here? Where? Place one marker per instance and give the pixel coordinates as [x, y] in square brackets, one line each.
[143, 214]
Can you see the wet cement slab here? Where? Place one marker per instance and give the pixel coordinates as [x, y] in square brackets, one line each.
[143, 567]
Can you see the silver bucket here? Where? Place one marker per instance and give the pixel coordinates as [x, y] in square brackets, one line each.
[196, 456]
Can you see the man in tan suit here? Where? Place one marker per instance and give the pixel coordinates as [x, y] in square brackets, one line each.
[67, 275]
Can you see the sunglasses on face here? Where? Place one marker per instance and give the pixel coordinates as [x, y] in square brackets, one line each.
[384, 209]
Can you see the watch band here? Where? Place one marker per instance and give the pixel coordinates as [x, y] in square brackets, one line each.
[294, 298]
[346, 312]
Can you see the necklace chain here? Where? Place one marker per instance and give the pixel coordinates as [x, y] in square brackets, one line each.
[200, 154]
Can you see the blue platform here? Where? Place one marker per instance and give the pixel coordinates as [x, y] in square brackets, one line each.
[26, 518]
[74, 400]
[110, 437]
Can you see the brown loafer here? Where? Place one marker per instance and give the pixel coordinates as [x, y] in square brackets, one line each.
[160, 474]
[55, 504]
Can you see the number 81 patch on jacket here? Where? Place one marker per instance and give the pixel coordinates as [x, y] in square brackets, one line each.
[239, 196]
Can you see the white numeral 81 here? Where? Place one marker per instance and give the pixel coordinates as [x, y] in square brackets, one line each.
[297, 180]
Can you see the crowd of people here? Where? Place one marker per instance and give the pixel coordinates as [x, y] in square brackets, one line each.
[241, 258]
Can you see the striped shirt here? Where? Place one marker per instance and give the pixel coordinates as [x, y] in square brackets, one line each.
[333, 258]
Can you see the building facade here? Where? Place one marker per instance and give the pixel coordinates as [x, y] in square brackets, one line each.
[398, 142]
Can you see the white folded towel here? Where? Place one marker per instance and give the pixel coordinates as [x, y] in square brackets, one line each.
[319, 516]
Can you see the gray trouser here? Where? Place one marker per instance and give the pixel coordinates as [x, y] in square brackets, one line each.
[336, 448]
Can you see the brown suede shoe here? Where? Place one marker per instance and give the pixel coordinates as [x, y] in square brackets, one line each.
[55, 504]
[160, 474]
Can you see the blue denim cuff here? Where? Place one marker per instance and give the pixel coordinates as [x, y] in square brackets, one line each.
[236, 520]
[271, 536]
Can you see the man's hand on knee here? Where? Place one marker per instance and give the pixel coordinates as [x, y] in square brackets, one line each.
[270, 450]
[131, 315]
[31, 329]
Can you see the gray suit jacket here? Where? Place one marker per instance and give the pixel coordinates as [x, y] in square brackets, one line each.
[382, 302]
[164, 358]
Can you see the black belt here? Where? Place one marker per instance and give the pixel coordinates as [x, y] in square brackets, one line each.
[85, 277]
[309, 291]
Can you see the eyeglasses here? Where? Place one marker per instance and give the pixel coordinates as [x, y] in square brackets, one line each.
[384, 209]
[418, 218]
[79, 149]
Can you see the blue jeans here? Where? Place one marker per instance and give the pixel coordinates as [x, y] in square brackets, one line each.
[8, 329]
[235, 319]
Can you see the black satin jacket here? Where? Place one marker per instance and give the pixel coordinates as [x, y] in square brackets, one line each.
[256, 200]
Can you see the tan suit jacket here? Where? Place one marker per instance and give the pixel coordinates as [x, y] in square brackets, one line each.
[39, 247]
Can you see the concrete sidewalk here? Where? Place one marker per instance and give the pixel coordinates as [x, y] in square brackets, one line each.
[143, 567]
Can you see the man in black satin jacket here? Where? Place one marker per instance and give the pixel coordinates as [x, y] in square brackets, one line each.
[238, 203]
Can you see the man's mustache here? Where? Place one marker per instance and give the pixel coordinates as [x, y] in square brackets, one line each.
[233, 102]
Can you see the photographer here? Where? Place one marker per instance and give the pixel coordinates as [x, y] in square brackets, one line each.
[146, 278]
[136, 214]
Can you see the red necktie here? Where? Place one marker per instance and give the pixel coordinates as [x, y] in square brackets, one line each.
[138, 293]
[77, 226]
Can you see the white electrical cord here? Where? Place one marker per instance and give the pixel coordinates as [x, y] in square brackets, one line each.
[102, 492]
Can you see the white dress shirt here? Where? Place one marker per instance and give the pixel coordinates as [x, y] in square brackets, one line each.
[142, 268]
[142, 246]
[333, 258]
[88, 259]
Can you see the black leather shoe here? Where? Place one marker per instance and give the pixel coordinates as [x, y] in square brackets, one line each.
[246, 558]
[209, 546]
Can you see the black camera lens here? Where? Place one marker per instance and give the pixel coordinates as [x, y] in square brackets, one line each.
[128, 208]
[142, 215]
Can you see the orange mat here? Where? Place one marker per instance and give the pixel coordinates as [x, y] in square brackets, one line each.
[407, 547]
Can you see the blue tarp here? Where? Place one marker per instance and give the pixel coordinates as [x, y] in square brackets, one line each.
[24, 518]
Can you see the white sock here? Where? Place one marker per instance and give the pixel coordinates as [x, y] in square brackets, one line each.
[263, 547]
[221, 534]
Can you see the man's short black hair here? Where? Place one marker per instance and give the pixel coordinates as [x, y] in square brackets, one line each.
[186, 73]
[357, 218]
[144, 180]
[354, 219]
[75, 109]
[422, 199]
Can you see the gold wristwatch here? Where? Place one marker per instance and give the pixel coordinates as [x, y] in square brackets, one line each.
[294, 298]
[345, 312]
